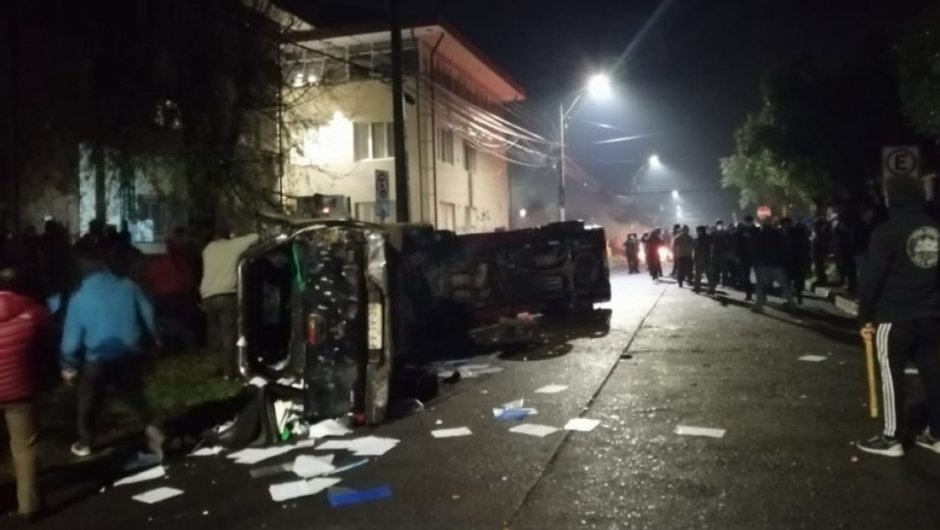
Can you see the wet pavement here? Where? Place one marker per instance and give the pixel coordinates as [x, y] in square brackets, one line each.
[667, 358]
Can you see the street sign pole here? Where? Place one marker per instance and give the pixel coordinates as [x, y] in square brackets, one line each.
[381, 195]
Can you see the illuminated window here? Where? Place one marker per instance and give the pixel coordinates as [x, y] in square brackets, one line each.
[445, 145]
[373, 141]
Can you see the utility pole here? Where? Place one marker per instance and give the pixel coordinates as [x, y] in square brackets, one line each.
[561, 162]
[398, 113]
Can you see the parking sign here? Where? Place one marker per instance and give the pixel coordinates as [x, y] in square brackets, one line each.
[901, 161]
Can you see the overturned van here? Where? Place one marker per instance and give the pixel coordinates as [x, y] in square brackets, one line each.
[314, 309]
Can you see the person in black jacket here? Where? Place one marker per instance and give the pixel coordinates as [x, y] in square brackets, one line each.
[770, 264]
[900, 308]
[798, 251]
[703, 251]
[632, 250]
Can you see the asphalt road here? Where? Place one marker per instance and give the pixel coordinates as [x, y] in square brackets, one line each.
[785, 461]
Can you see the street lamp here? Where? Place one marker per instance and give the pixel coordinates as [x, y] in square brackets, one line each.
[675, 195]
[597, 86]
[655, 162]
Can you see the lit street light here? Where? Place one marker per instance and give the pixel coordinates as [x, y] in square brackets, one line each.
[675, 195]
[522, 213]
[598, 86]
[655, 162]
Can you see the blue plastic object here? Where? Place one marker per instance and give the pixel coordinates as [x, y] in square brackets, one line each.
[513, 415]
[339, 499]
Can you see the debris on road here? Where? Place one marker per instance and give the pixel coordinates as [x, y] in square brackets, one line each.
[551, 389]
[143, 460]
[150, 474]
[685, 430]
[286, 491]
[207, 451]
[328, 428]
[451, 433]
[514, 414]
[581, 424]
[342, 498]
[813, 358]
[157, 495]
[347, 467]
[366, 446]
[533, 429]
[911, 371]
[253, 455]
[306, 466]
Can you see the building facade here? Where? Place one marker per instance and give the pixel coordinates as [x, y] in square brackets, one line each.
[339, 126]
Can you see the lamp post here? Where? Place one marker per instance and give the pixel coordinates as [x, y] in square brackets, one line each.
[653, 162]
[598, 85]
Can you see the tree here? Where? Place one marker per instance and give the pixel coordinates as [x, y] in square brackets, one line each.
[919, 73]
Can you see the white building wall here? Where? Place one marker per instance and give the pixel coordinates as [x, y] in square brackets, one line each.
[321, 159]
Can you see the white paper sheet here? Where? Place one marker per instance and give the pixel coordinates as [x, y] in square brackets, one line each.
[491, 370]
[306, 466]
[157, 495]
[300, 488]
[533, 429]
[329, 428]
[551, 389]
[259, 382]
[207, 451]
[813, 358]
[254, 455]
[451, 433]
[685, 430]
[366, 446]
[517, 404]
[911, 371]
[466, 373]
[581, 424]
[149, 474]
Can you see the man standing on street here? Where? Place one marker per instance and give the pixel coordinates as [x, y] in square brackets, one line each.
[632, 249]
[770, 264]
[22, 326]
[683, 250]
[703, 258]
[721, 261]
[218, 289]
[900, 307]
[107, 319]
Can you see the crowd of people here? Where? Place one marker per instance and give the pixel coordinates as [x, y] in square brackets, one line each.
[771, 252]
[89, 312]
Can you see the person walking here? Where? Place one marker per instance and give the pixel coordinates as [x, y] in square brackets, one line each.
[722, 253]
[218, 289]
[746, 247]
[822, 239]
[900, 308]
[632, 250]
[654, 262]
[683, 250]
[23, 324]
[797, 255]
[702, 255]
[107, 319]
[676, 231]
[770, 265]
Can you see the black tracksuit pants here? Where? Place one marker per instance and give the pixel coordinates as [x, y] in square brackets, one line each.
[919, 341]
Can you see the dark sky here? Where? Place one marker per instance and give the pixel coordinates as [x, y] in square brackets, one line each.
[691, 75]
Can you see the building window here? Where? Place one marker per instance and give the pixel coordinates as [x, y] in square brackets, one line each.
[365, 212]
[445, 145]
[470, 218]
[373, 141]
[469, 157]
[448, 217]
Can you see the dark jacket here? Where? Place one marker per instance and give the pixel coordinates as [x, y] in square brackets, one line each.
[772, 247]
[22, 326]
[704, 248]
[901, 280]
[682, 246]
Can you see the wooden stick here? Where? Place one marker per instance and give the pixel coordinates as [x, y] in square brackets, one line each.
[872, 384]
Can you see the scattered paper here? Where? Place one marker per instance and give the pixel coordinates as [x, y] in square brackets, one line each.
[259, 382]
[366, 446]
[254, 455]
[329, 428]
[911, 371]
[513, 414]
[300, 488]
[267, 471]
[451, 433]
[551, 389]
[150, 474]
[207, 451]
[466, 373]
[157, 495]
[490, 370]
[533, 429]
[813, 358]
[684, 430]
[581, 424]
[306, 466]
[143, 460]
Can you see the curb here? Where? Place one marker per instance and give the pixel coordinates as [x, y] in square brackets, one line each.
[841, 302]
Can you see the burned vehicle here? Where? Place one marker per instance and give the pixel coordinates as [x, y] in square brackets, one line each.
[338, 310]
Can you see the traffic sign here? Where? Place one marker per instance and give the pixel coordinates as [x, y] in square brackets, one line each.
[381, 194]
[901, 161]
[763, 212]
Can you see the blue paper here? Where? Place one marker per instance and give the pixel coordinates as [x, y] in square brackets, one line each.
[339, 499]
[513, 415]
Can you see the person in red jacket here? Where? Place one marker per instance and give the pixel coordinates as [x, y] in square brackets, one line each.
[22, 323]
[174, 287]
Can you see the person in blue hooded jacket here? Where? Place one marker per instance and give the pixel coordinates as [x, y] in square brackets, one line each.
[106, 323]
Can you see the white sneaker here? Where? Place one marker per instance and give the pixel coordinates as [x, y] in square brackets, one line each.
[927, 441]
